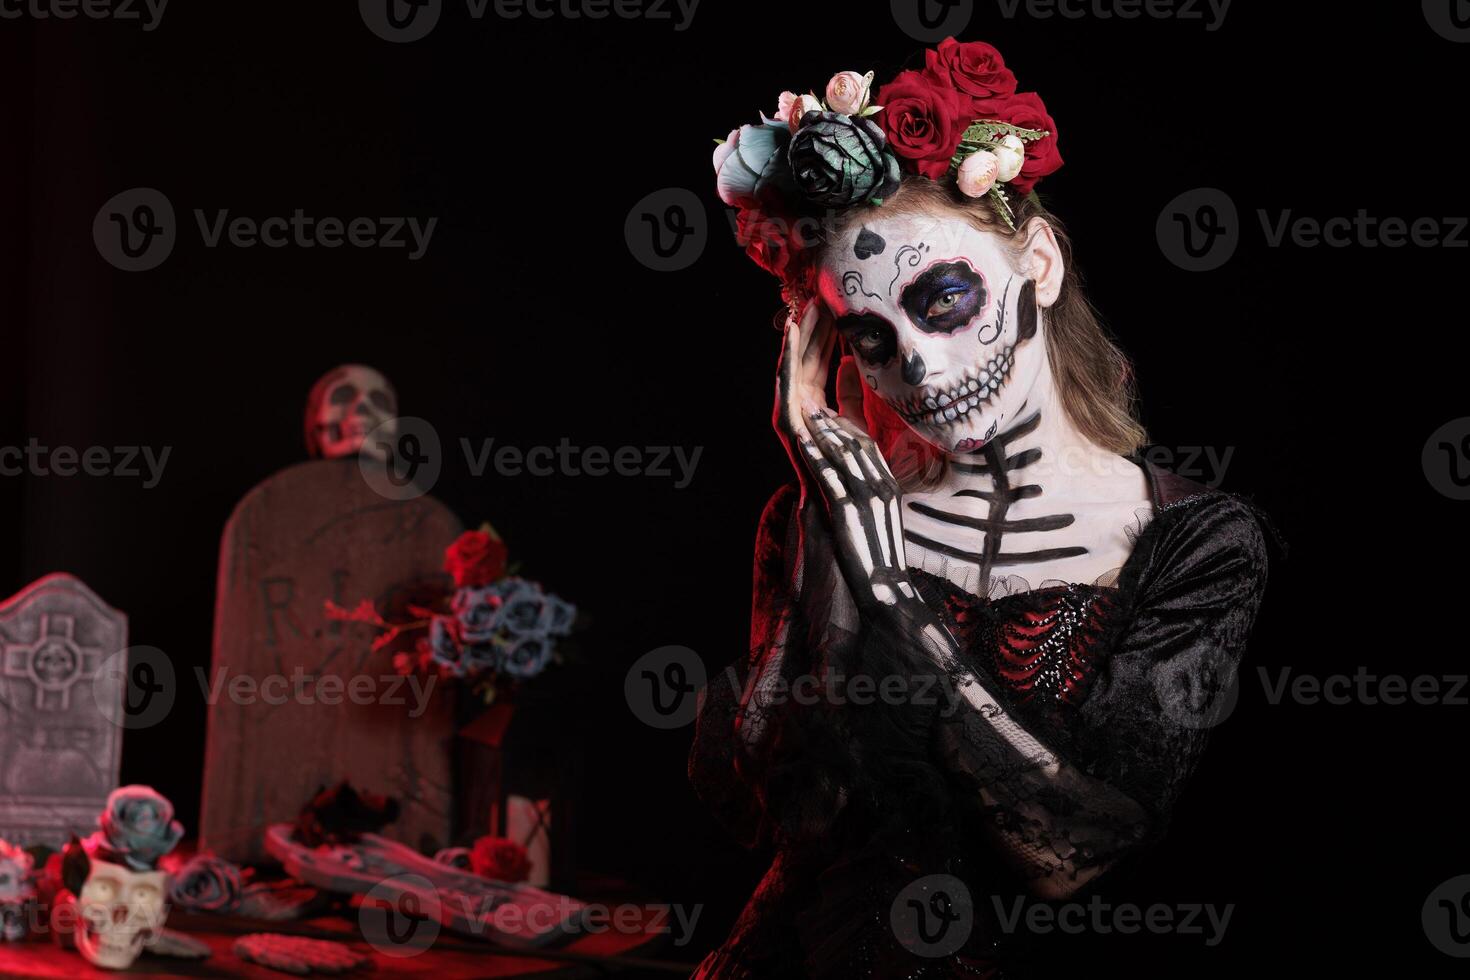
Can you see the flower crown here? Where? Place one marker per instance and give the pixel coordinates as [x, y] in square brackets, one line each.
[959, 117]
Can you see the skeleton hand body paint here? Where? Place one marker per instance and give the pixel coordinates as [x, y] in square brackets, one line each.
[946, 322]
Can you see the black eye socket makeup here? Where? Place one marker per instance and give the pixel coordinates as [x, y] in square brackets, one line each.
[945, 297]
[871, 337]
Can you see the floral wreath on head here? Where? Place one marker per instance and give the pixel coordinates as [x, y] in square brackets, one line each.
[959, 118]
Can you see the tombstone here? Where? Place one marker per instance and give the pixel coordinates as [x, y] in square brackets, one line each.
[313, 532]
[60, 712]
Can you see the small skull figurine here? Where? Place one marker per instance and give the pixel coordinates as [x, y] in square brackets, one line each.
[16, 891]
[345, 405]
[119, 912]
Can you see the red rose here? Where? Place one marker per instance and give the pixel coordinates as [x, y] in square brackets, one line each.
[476, 559]
[1026, 110]
[973, 68]
[773, 242]
[500, 858]
[923, 120]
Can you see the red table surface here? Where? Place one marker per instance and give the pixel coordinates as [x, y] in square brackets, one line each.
[450, 956]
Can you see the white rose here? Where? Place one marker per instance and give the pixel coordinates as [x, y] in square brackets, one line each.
[1009, 156]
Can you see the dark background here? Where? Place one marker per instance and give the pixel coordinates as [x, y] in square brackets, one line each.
[1325, 370]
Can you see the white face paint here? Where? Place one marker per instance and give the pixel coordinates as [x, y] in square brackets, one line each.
[943, 323]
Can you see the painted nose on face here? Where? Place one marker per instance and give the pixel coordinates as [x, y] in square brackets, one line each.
[913, 368]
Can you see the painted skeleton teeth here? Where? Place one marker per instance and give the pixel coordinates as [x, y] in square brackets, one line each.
[964, 397]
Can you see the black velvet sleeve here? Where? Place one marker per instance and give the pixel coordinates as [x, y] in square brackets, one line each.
[1194, 591]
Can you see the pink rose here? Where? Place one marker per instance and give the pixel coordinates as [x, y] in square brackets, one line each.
[977, 173]
[847, 92]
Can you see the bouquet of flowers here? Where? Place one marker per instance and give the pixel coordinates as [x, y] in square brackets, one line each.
[492, 628]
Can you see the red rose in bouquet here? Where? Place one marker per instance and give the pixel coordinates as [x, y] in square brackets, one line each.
[476, 559]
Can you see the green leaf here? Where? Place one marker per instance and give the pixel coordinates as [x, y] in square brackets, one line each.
[871, 110]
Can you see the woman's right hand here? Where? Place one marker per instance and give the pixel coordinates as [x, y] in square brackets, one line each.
[801, 381]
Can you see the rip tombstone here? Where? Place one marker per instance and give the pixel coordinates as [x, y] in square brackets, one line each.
[297, 700]
[58, 710]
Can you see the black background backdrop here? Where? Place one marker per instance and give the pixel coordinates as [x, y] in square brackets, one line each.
[1324, 370]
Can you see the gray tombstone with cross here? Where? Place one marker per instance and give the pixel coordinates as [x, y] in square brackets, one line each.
[63, 662]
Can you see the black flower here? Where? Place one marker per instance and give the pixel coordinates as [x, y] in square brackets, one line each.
[839, 160]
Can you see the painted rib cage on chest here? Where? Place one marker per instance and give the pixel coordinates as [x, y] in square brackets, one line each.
[1006, 472]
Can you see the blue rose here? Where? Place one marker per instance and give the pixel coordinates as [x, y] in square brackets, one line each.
[444, 644]
[477, 611]
[527, 656]
[752, 162]
[138, 825]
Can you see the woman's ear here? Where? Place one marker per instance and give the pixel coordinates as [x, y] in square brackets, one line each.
[1041, 261]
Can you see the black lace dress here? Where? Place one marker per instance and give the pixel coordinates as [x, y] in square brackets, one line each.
[1103, 696]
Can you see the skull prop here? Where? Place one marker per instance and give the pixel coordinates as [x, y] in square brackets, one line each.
[16, 891]
[119, 911]
[345, 405]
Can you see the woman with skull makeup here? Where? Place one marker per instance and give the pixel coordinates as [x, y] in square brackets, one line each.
[988, 639]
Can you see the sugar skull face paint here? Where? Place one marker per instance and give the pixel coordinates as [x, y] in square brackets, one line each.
[943, 320]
